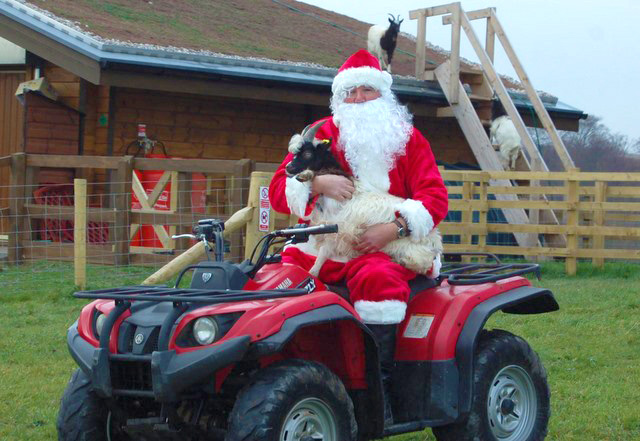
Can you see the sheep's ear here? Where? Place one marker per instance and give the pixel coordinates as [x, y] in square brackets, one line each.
[295, 143]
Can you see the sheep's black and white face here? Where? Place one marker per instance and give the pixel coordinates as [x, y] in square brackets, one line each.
[312, 156]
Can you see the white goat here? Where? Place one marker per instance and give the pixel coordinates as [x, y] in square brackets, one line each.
[381, 41]
[503, 132]
[354, 216]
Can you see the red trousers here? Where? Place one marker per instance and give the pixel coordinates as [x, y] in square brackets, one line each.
[378, 287]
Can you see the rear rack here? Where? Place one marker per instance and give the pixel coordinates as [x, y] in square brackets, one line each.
[184, 295]
[480, 272]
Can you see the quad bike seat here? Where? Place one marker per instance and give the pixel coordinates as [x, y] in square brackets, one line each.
[416, 285]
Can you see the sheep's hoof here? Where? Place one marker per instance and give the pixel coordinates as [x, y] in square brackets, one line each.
[305, 176]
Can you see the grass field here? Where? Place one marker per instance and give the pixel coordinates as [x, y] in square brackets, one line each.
[591, 349]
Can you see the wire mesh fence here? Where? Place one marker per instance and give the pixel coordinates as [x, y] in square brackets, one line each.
[39, 240]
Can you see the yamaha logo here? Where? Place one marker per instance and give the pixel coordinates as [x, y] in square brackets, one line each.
[139, 338]
[206, 277]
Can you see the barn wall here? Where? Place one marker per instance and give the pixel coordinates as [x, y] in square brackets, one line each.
[193, 126]
[447, 140]
[11, 116]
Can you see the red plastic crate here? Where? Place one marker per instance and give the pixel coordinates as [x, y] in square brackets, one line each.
[59, 230]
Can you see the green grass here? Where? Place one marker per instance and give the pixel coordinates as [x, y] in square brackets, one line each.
[591, 349]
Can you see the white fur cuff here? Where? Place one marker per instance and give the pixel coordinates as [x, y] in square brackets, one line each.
[418, 218]
[297, 194]
[386, 312]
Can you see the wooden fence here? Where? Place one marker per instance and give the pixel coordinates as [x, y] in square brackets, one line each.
[598, 213]
[115, 209]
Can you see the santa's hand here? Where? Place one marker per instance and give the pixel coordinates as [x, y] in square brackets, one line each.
[336, 187]
[376, 237]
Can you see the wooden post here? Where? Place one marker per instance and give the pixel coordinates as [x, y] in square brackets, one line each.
[598, 221]
[259, 180]
[454, 79]
[16, 207]
[184, 206]
[421, 46]
[239, 197]
[571, 262]
[483, 214]
[467, 217]
[122, 206]
[80, 232]
[490, 43]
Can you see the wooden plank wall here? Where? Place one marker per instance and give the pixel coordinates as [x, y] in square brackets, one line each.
[50, 128]
[11, 116]
[193, 126]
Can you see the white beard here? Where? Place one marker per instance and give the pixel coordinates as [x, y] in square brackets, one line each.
[372, 135]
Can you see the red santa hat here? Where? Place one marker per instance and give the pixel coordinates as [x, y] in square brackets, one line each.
[361, 69]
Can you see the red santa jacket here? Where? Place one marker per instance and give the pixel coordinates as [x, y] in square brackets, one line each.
[414, 177]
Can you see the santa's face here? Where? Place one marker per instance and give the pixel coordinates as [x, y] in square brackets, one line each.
[361, 94]
[373, 133]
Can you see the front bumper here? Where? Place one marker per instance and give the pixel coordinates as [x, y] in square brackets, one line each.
[163, 375]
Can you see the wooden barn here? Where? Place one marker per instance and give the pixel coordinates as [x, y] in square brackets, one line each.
[226, 80]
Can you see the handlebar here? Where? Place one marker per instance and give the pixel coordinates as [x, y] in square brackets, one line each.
[319, 229]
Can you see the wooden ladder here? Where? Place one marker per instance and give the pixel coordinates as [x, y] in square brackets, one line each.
[484, 83]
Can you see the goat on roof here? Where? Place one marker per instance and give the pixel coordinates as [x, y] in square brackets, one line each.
[381, 41]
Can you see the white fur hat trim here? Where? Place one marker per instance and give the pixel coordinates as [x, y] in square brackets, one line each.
[362, 76]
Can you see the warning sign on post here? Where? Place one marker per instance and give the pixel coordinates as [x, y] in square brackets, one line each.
[265, 208]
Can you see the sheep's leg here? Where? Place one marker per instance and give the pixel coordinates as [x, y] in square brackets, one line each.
[514, 156]
[323, 255]
[383, 65]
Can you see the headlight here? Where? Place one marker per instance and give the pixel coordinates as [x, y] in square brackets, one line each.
[100, 319]
[205, 330]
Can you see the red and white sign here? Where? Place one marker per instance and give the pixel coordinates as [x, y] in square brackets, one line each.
[265, 208]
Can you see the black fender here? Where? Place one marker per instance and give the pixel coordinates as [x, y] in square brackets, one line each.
[327, 314]
[523, 300]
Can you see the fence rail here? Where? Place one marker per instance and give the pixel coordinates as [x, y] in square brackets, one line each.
[598, 213]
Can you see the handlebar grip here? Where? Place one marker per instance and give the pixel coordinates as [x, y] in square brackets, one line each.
[323, 229]
[319, 229]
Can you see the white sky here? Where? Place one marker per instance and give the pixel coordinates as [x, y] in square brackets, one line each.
[585, 52]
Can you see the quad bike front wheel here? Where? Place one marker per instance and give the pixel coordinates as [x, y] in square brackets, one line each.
[83, 416]
[510, 394]
[296, 400]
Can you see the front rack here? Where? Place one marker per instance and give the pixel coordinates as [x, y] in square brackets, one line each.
[186, 295]
[479, 272]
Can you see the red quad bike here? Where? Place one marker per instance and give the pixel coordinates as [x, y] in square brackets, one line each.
[263, 351]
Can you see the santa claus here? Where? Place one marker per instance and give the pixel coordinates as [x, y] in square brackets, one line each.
[374, 141]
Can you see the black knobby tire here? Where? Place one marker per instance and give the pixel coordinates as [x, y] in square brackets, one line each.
[510, 394]
[269, 404]
[82, 415]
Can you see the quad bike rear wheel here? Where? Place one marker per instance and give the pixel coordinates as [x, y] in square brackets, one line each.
[83, 416]
[296, 400]
[510, 394]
